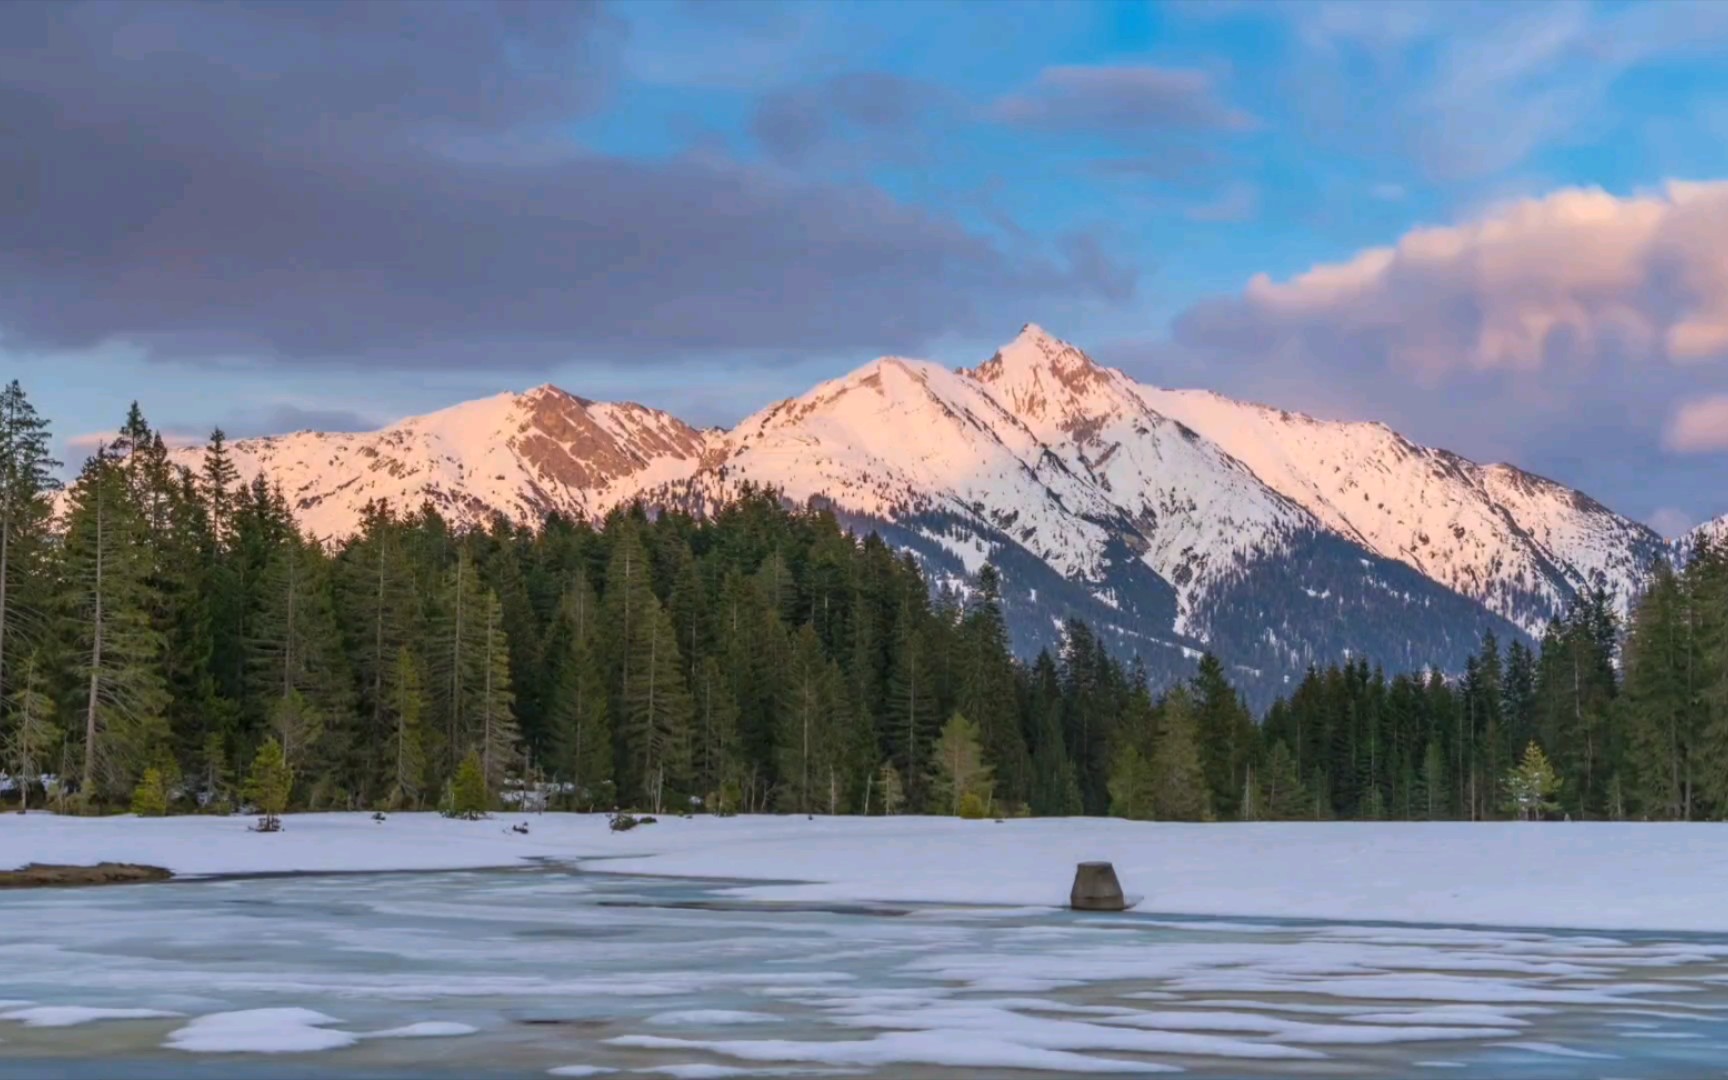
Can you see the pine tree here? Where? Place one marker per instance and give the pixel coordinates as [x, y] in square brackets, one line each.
[268, 784]
[468, 798]
[657, 708]
[499, 739]
[107, 616]
[27, 484]
[716, 750]
[150, 796]
[578, 720]
[1180, 778]
[960, 766]
[34, 734]
[296, 725]
[404, 749]
[1133, 789]
[1281, 795]
[808, 742]
[1660, 700]
[911, 707]
[459, 660]
[1225, 733]
[1531, 787]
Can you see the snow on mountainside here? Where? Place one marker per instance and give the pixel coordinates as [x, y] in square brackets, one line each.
[1170, 520]
[1516, 542]
[520, 455]
[1200, 513]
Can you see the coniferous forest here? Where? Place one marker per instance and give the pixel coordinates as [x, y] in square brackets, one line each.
[171, 643]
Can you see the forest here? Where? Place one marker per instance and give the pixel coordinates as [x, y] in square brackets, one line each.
[170, 642]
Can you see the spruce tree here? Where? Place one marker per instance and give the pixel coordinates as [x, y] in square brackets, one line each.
[809, 736]
[468, 798]
[1178, 774]
[27, 484]
[404, 749]
[1226, 735]
[1133, 788]
[106, 614]
[34, 735]
[715, 760]
[1281, 795]
[267, 785]
[499, 739]
[960, 766]
[657, 708]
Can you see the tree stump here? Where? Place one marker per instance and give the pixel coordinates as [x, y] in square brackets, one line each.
[1096, 888]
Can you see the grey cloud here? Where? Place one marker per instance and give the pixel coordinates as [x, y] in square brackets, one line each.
[793, 122]
[284, 417]
[1579, 334]
[1127, 101]
[387, 183]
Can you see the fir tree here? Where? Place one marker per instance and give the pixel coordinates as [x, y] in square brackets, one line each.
[27, 484]
[405, 750]
[123, 697]
[657, 708]
[1133, 788]
[1176, 769]
[1530, 788]
[468, 798]
[267, 785]
[34, 734]
[499, 739]
[809, 738]
[1281, 795]
[150, 796]
[961, 769]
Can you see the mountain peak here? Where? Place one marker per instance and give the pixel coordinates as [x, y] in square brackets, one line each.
[1036, 356]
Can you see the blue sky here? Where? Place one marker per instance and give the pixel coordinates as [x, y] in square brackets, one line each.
[282, 216]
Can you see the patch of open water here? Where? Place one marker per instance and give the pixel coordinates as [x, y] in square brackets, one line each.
[521, 972]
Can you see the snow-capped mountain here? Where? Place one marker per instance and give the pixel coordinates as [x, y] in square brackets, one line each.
[1171, 520]
[520, 455]
[1518, 543]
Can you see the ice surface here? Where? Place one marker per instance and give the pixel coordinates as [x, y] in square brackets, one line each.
[71, 1015]
[710, 1018]
[425, 1029]
[1506, 874]
[580, 1070]
[260, 1031]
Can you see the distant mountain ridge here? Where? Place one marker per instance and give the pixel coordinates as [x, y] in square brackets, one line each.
[1173, 520]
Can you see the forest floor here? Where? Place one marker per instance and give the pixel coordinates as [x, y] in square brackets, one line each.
[1619, 876]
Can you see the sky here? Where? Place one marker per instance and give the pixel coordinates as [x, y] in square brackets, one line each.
[1500, 228]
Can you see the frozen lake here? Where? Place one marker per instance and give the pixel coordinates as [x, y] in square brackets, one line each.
[522, 972]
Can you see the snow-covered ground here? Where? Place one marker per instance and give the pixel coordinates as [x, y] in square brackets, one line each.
[1603, 876]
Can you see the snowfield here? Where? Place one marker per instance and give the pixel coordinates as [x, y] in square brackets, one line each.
[1665, 877]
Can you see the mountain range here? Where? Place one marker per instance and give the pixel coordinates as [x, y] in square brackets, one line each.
[1174, 521]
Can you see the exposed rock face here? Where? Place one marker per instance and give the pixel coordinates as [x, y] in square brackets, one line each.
[1096, 888]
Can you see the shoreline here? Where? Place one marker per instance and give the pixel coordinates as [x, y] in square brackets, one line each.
[60, 875]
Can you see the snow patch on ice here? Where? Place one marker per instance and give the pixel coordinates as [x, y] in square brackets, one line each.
[260, 1031]
[42, 1016]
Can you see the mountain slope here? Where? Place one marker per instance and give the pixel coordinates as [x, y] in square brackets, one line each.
[521, 455]
[1518, 543]
[1171, 520]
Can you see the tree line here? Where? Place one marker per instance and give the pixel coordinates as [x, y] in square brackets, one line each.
[172, 628]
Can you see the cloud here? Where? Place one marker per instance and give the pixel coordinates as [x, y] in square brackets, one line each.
[286, 417]
[1467, 89]
[792, 123]
[88, 443]
[1577, 277]
[1699, 426]
[1561, 333]
[394, 185]
[1126, 102]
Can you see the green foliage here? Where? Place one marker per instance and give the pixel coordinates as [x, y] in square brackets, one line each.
[1179, 779]
[973, 806]
[1133, 788]
[150, 796]
[961, 769]
[468, 798]
[1530, 788]
[268, 783]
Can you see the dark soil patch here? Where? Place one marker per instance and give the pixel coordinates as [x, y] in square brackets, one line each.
[45, 875]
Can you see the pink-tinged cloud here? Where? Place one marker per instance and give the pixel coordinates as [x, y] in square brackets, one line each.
[89, 442]
[1573, 278]
[1699, 426]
